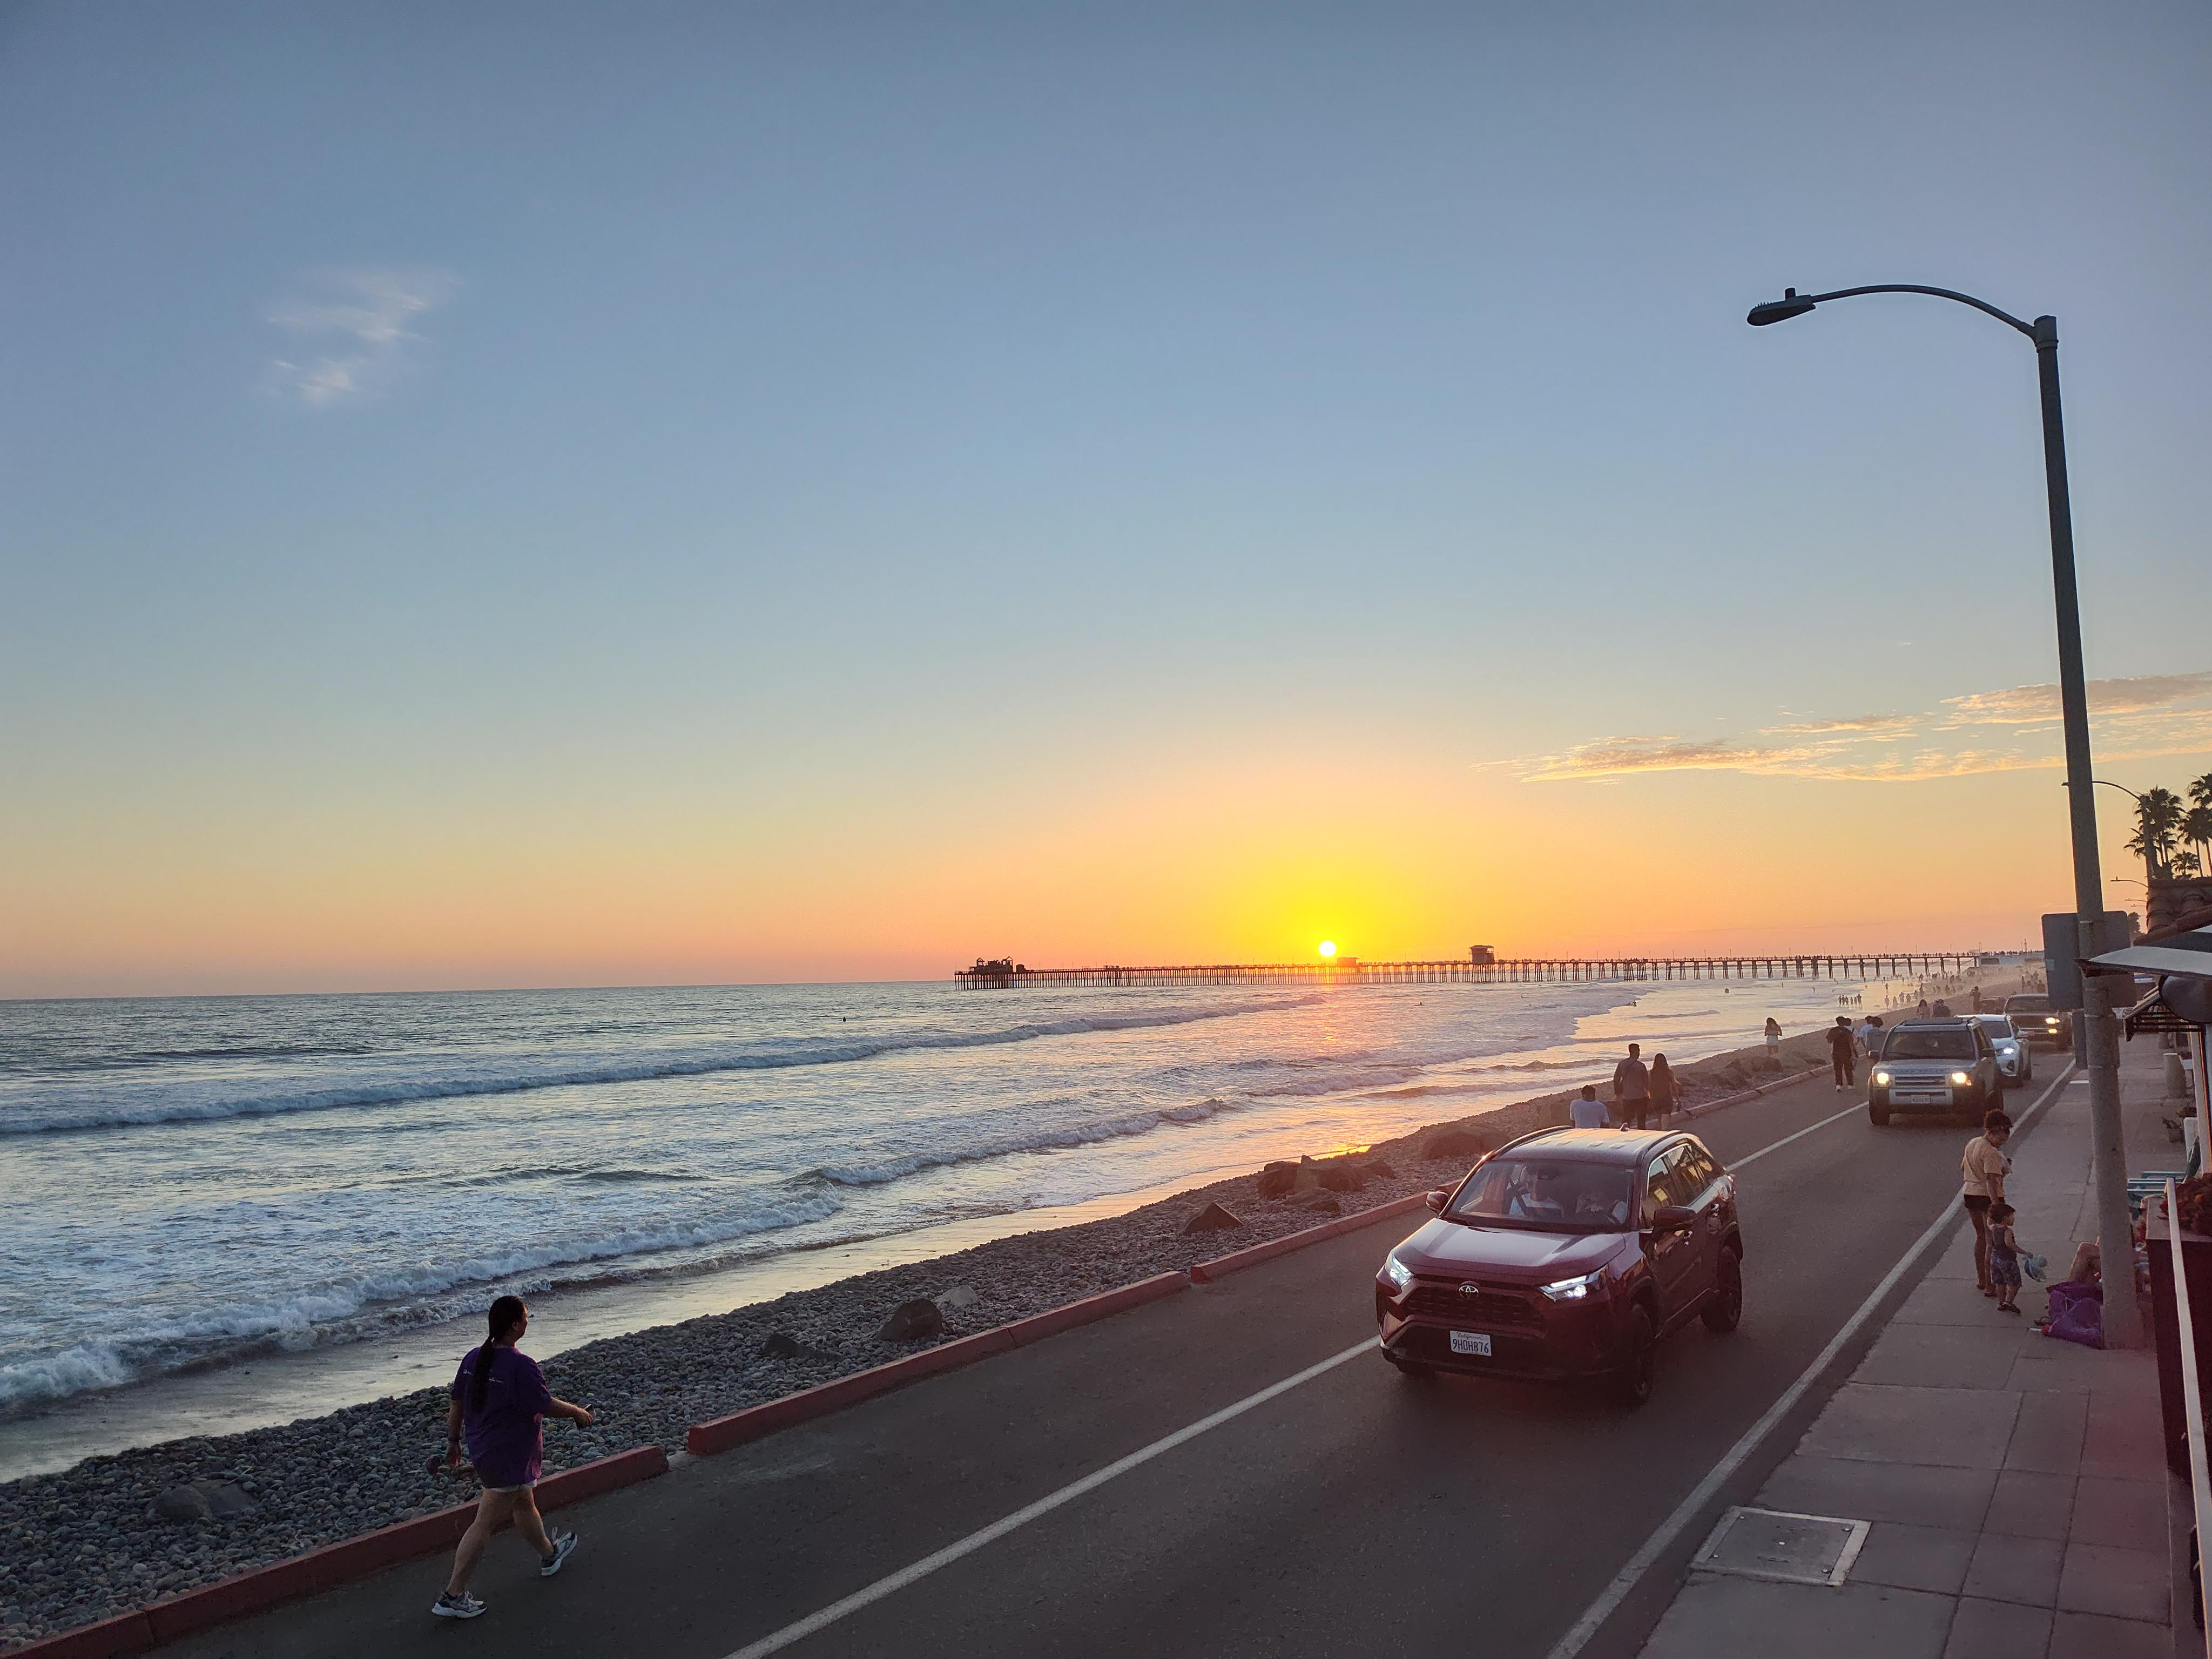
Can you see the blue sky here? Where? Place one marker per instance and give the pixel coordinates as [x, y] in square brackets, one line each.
[688, 445]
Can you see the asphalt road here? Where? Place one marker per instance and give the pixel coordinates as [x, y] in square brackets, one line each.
[1357, 1510]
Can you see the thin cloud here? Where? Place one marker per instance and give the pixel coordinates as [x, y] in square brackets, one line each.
[2135, 719]
[364, 323]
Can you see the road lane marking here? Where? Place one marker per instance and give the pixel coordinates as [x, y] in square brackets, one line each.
[777, 1640]
[1021, 1517]
[1671, 1529]
[1776, 1146]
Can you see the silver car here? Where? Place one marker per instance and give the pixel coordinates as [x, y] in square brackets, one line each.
[2016, 1060]
[1946, 1065]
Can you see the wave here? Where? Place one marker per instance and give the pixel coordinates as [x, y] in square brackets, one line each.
[105, 1113]
[900, 1167]
[395, 1298]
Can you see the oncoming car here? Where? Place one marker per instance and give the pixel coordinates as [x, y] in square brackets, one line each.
[2015, 1060]
[1567, 1253]
[1945, 1065]
[2034, 1018]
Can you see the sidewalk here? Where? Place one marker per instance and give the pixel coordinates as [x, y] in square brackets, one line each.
[2016, 1488]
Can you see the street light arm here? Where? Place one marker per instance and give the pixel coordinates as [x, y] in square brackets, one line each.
[2028, 329]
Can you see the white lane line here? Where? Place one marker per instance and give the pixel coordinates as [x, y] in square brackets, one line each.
[1021, 1517]
[1690, 1508]
[1754, 1157]
[777, 1640]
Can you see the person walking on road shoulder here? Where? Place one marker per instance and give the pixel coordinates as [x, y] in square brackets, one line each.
[1774, 1039]
[1666, 1092]
[500, 1402]
[1587, 1111]
[1843, 1053]
[1983, 1168]
[1631, 1088]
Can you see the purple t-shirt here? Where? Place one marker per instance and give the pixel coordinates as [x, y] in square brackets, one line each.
[505, 1438]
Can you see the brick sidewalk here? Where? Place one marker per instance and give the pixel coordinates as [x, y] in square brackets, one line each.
[2015, 1487]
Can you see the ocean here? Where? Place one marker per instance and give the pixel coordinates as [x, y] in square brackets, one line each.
[193, 1181]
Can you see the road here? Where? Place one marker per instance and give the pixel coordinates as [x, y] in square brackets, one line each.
[1353, 1511]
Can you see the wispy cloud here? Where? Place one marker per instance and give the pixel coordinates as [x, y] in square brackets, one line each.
[362, 322]
[2135, 719]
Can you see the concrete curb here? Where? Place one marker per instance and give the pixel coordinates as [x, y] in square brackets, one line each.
[1750, 1094]
[1206, 1273]
[722, 1433]
[325, 1568]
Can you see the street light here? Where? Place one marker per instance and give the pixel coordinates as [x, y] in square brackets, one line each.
[2152, 863]
[2123, 1327]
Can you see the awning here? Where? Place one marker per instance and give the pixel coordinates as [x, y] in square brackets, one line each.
[2188, 953]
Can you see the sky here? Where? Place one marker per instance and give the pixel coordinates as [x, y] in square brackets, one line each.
[541, 494]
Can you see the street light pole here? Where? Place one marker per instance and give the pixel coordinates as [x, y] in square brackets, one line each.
[2100, 1036]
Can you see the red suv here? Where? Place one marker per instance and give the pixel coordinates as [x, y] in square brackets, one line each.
[1567, 1253]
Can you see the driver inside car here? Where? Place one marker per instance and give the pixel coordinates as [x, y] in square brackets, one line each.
[1540, 1202]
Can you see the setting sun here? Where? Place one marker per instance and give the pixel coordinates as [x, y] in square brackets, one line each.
[1328, 947]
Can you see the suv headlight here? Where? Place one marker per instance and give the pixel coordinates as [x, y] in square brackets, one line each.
[1397, 1274]
[1959, 1079]
[1882, 1078]
[1574, 1290]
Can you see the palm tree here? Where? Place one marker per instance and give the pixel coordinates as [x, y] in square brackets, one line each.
[2195, 825]
[2158, 826]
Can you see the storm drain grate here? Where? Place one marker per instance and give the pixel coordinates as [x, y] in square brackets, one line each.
[1796, 1549]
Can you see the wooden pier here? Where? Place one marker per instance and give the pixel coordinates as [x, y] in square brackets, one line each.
[1006, 976]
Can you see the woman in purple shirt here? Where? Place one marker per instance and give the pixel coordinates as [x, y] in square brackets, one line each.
[499, 1403]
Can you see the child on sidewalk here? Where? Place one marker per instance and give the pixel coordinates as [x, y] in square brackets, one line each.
[2004, 1258]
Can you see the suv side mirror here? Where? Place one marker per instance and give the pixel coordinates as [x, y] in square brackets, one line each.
[1671, 1218]
[1438, 1198]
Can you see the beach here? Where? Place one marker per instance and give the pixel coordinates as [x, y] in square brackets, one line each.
[83, 1542]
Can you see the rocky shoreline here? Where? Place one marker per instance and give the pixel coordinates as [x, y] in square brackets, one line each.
[114, 1533]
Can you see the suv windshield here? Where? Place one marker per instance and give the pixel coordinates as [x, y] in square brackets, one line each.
[1998, 1025]
[2027, 1005]
[1548, 1194]
[1939, 1043]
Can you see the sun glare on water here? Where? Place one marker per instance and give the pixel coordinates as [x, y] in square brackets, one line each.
[1328, 947]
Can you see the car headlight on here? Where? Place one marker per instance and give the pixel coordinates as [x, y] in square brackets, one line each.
[1959, 1079]
[1397, 1274]
[1575, 1289]
[2009, 1050]
[1882, 1077]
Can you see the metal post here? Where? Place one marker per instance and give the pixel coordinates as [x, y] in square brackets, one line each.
[2122, 1325]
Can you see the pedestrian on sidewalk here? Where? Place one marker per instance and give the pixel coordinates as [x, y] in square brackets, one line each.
[1666, 1092]
[1588, 1111]
[1631, 1088]
[1774, 1039]
[1983, 1168]
[1843, 1053]
[2004, 1258]
[500, 1402]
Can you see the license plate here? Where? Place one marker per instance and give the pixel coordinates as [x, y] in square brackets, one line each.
[1474, 1342]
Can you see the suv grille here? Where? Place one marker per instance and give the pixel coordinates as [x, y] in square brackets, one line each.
[1494, 1308]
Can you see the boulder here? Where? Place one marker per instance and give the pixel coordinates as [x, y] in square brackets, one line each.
[958, 1296]
[1213, 1218]
[1323, 1204]
[1277, 1179]
[1308, 1177]
[781, 1345]
[1455, 1143]
[1338, 1177]
[918, 1321]
[1382, 1171]
[203, 1500]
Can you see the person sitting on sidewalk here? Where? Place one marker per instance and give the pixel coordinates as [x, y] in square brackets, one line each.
[2004, 1258]
[1587, 1112]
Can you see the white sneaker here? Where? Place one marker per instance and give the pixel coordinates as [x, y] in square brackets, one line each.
[464, 1605]
[564, 1545]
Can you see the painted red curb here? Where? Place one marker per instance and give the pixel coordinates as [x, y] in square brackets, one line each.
[719, 1435]
[1205, 1272]
[323, 1569]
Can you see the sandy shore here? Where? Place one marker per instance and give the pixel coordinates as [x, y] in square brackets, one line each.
[86, 1542]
